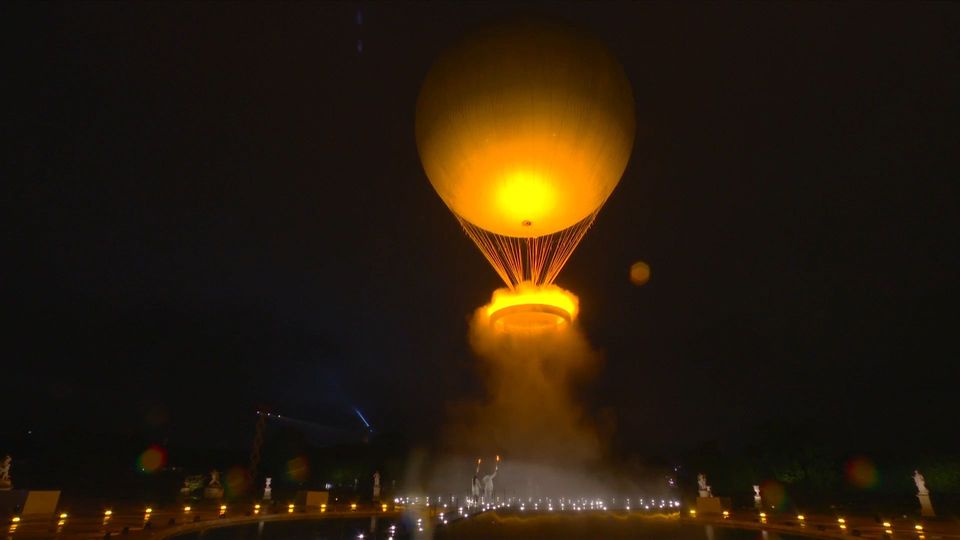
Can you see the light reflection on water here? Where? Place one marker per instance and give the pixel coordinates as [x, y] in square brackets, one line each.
[326, 529]
[482, 527]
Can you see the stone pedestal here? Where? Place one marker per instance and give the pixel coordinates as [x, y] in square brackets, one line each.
[213, 492]
[709, 505]
[757, 502]
[926, 507]
[29, 503]
[41, 503]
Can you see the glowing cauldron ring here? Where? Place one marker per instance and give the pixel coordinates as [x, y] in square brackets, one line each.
[500, 317]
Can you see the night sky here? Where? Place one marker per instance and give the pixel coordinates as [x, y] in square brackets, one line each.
[216, 207]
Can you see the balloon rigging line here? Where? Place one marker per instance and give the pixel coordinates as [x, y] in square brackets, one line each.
[535, 259]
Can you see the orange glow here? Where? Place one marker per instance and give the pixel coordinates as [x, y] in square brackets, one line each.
[639, 273]
[526, 198]
[528, 142]
[529, 307]
[152, 459]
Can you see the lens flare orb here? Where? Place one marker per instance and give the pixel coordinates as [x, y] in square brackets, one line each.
[639, 273]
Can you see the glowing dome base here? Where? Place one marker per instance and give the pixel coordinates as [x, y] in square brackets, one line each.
[531, 308]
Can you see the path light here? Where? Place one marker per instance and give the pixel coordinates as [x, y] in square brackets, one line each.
[223, 509]
[693, 513]
[918, 527]
[353, 506]
[290, 508]
[107, 513]
[801, 517]
[726, 514]
[15, 519]
[383, 507]
[256, 509]
[886, 524]
[323, 507]
[842, 522]
[186, 509]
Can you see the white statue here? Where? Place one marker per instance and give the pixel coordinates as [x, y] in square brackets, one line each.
[5, 482]
[475, 485]
[214, 479]
[267, 490]
[756, 490]
[488, 483]
[919, 481]
[376, 485]
[702, 485]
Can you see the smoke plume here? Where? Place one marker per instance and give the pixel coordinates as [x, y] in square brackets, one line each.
[529, 415]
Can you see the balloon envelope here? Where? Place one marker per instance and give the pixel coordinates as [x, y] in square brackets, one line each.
[525, 128]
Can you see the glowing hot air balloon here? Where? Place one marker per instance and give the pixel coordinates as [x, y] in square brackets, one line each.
[524, 129]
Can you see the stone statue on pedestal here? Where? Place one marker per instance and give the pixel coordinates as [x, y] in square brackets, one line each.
[267, 490]
[376, 486]
[926, 507]
[5, 482]
[214, 490]
[756, 496]
[707, 504]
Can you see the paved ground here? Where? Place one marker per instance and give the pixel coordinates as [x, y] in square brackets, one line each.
[163, 522]
[832, 527]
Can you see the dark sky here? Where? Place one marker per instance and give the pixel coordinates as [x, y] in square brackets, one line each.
[213, 207]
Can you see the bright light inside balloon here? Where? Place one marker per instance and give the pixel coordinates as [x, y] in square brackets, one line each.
[525, 198]
[532, 308]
